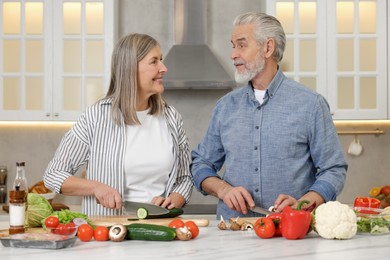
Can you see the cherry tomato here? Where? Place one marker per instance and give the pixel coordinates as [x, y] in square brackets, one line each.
[176, 223]
[100, 233]
[264, 227]
[85, 232]
[366, 202]
[52, 222]
[192, 227]
[276, 217]
[385, 190]
[61, 229]
[71, 228]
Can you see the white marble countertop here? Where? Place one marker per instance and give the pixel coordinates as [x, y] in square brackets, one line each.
[213, 243]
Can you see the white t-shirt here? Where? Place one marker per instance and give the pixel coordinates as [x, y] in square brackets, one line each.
[259, 94]
[148, 159]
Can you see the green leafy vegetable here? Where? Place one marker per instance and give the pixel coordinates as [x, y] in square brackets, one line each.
[65, 216]
[38, 209]
[377, 225]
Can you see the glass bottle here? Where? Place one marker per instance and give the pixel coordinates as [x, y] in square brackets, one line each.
[18, 201]
[20, 182]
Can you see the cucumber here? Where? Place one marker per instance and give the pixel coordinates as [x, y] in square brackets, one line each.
[171, 214]
[142, 213]
[138, 231]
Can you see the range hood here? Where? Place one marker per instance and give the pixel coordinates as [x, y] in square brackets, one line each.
[190, 62]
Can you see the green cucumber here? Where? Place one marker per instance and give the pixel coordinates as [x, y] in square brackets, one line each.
[138, 231]
[143, 213]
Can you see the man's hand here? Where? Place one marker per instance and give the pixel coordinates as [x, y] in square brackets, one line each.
[236, 198]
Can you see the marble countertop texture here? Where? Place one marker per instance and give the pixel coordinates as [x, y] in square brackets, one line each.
[213, 243]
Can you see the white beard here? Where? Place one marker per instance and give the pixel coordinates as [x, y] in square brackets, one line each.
[251, 70]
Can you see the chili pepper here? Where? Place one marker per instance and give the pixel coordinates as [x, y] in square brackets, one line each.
[295, 222]
[311, 207]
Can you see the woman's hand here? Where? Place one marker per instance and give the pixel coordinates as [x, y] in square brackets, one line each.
[174, 200]
[107, 196]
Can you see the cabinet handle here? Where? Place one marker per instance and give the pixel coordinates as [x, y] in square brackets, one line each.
[47, 114]
[56, 114]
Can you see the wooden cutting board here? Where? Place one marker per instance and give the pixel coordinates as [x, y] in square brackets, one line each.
[251, 220]
[125, 220]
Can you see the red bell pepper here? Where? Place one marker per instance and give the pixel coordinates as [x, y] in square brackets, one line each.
[366, 202]
[295, 222]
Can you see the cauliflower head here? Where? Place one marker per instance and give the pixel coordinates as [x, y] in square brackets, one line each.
[334, 220]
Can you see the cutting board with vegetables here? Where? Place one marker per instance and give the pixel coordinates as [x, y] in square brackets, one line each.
[125, 220]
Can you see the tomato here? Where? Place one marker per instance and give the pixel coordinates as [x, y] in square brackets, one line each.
[264, 227]
[192, 227]
[61, 229]
[276, 217]
[71, 228]
[176, 223]
[52, 222]
[100, 233]
[385, 190]
[85, 232]
[366, 202]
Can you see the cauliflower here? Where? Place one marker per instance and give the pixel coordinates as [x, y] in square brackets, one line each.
[334, 220]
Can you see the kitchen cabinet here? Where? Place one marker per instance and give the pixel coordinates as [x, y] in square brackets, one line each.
[338, 48]
[54, 57]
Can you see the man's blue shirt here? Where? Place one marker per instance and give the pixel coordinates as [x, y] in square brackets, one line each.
[286, 145]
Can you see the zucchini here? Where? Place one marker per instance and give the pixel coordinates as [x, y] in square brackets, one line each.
[138, 231]
[143, 213]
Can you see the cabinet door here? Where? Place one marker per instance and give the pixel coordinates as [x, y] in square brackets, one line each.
[350, 47]
[25, 71]
[83, 40]
[54, 57]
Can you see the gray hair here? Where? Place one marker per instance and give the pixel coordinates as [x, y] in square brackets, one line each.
[123, 88]
[266, 27]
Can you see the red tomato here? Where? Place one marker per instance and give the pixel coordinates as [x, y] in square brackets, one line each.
[176, 223]
[61, 229]
[276, 217]
[385, 190]
[100, 233]
[192, 227]
[70, 227]
[52, 222]
[85, 232]
[264, 227]
[366, 202]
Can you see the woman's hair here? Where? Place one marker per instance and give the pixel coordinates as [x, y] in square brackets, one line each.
[124, 78]
[266, 27]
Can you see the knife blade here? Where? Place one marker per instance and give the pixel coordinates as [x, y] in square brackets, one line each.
[261, 210]
[133, 206]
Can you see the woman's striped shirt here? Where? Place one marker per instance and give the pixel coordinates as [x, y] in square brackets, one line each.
[100, 144]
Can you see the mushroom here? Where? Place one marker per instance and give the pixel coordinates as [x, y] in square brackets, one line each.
[182, 233]
[222, 224]
[117, 233]
[234, 224]
[246, 226]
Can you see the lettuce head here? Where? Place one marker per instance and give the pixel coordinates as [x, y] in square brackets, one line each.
[38, 208]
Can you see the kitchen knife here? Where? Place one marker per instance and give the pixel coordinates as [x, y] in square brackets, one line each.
[261, 210]
[132, 207]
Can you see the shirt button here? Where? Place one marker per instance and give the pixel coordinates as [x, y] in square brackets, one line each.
[256, 169]
[258, 108]
[255, 147]
[256, 190]
[257, 127]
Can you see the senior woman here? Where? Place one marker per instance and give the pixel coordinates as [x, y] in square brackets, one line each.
[132, 142]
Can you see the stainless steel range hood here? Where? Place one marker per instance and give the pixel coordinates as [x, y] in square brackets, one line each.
[191, 64]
